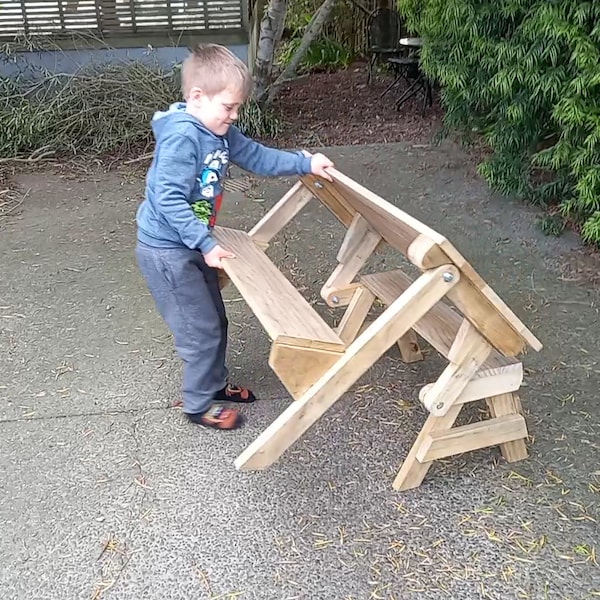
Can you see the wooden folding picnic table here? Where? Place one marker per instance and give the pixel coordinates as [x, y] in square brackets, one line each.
[449, 305]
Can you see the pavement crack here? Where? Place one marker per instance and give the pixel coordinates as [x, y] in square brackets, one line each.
[99, 413]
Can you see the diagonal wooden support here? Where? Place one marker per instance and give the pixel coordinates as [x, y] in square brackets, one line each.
[355, 315]
[468, 352]
[281, 214]
[413, 471]
[359, 243]
[401, 315]
[354, 319]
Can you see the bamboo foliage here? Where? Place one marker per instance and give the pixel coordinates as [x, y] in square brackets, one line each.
[312, 32]
[525, 74]
[347, 25]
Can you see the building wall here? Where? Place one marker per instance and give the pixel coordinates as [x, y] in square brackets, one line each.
[32, 64]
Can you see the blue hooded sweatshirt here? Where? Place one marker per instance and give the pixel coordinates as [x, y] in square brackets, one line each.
[184, 185]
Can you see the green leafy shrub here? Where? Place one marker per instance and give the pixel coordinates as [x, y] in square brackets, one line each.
[322, 55]
[334, 49]
[346, 25]
[258, 122]
[524, 74]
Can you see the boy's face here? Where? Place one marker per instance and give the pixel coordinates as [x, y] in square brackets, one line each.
[217, 112]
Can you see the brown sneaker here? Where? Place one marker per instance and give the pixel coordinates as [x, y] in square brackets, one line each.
[217, 417]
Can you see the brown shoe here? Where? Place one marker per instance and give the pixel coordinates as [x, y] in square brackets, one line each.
[217, 417]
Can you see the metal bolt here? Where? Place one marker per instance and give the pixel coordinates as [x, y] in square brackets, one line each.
[439, 406]
[319, 185]
[335, 300]
[448, 277]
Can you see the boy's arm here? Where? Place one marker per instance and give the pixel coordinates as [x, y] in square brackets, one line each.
[175, 177]
[259, 159]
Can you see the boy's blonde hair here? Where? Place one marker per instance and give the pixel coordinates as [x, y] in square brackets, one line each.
[213, 68]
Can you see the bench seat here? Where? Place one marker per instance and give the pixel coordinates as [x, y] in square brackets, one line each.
[304, 345]
[281, 309]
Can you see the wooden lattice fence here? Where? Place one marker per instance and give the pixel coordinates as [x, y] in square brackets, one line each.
[58, 19]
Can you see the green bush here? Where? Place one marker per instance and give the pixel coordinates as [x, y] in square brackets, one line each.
[323, 54]
[524, 74]
[332, 50]
[346, 24]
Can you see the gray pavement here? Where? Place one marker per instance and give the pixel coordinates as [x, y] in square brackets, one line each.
[108, 494]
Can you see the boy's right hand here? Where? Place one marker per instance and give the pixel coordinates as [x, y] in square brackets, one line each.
[318, 163]
[214, 256]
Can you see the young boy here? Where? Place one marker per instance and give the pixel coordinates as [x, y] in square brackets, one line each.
[176, 253]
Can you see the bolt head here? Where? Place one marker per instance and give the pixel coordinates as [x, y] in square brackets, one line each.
[448, 277]
[439, 406]
[318, 185]
[335, 300]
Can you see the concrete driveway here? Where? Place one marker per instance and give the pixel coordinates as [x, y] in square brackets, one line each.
[107, 493]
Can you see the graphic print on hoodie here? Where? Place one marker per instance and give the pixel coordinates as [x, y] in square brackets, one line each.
[184, 184]
[211, 188]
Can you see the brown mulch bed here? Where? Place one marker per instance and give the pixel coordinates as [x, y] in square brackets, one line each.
[339, 109]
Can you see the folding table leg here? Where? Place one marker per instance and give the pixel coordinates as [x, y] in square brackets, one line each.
[399, 317]
[413, 471]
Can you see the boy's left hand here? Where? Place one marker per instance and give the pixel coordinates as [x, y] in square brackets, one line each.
[318, 163]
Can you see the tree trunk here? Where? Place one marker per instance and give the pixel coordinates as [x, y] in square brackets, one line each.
[313, 30]
[271, 30]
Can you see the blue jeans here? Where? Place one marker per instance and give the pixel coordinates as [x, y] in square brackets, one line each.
[187, 295]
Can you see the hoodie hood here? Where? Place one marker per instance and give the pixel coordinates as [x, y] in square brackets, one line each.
[164, 121]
